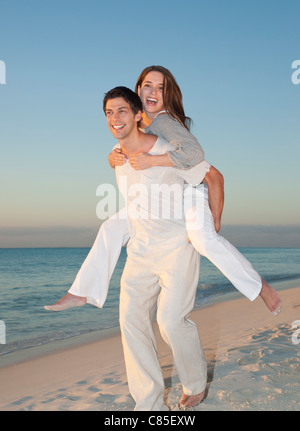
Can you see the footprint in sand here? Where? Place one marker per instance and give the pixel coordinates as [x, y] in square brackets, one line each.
[252, 358]
[106, 398]
[21, 401]
[93, 389]
[268, 346]
[110, 380]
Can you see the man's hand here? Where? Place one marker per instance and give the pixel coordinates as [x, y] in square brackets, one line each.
[116, 158]
[141, 161]
[215, 183]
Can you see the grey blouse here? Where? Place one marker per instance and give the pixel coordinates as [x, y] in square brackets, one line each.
[187, 150]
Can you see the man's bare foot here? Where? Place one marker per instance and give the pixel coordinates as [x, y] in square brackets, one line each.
[189, 401]
[67, 301]
[270, 298]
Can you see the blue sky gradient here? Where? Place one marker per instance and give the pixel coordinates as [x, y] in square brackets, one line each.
[233, 62]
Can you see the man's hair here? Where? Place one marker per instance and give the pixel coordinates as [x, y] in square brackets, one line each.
[128, 95]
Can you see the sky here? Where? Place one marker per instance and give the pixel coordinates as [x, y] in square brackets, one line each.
[233, 62]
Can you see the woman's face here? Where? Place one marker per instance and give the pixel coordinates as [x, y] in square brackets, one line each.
[151, 93]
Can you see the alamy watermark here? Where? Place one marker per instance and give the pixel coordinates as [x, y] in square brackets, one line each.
[2, 332]
[2, 72]
[295, 339]
[296, 75]
[152, 201]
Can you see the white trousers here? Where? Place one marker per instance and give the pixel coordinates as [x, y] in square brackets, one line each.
[167, 278]
[92, 280]
[202, 234]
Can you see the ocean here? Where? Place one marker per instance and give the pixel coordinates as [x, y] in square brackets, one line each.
[33, 277]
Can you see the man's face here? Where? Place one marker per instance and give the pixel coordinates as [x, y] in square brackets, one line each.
[121, 120]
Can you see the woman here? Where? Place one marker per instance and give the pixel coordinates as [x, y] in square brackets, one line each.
[164, 116]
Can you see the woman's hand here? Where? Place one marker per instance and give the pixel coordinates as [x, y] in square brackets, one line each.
[116, 158]
[141, 161]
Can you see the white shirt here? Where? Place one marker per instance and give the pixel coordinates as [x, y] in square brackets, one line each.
[154, 200]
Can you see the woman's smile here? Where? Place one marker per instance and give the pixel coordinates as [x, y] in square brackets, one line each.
[151, 93]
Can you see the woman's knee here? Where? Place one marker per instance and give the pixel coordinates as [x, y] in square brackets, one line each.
[114, 231]
[109, 226]
[203, 241]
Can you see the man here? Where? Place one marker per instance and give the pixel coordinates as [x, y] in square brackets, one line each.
[162, 267]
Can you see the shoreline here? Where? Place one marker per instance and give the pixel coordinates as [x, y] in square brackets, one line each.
[50, 347]
[252, 364]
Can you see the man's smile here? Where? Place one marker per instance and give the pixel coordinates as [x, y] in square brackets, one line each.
[118, 126]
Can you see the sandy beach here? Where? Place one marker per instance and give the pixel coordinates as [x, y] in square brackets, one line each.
[253, 364]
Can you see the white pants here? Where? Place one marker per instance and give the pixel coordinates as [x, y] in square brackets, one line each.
[166, 278]
[92, 280]
[202, 234]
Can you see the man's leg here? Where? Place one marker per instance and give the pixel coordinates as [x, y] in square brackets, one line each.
[139, 291]
[179, 276]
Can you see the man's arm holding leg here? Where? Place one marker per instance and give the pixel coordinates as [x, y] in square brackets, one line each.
[215, 183]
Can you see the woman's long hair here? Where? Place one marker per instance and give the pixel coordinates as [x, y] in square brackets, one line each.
[172, 94]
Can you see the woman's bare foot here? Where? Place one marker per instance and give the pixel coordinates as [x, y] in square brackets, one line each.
[270, 298]
[67, 301]
[189, 401]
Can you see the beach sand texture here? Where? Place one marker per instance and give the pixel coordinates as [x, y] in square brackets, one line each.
[253, 364]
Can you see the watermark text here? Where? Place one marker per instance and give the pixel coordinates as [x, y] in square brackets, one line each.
[296, 75]
[2, 72]
[296, 334]
[2, 332]
[152, 201]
